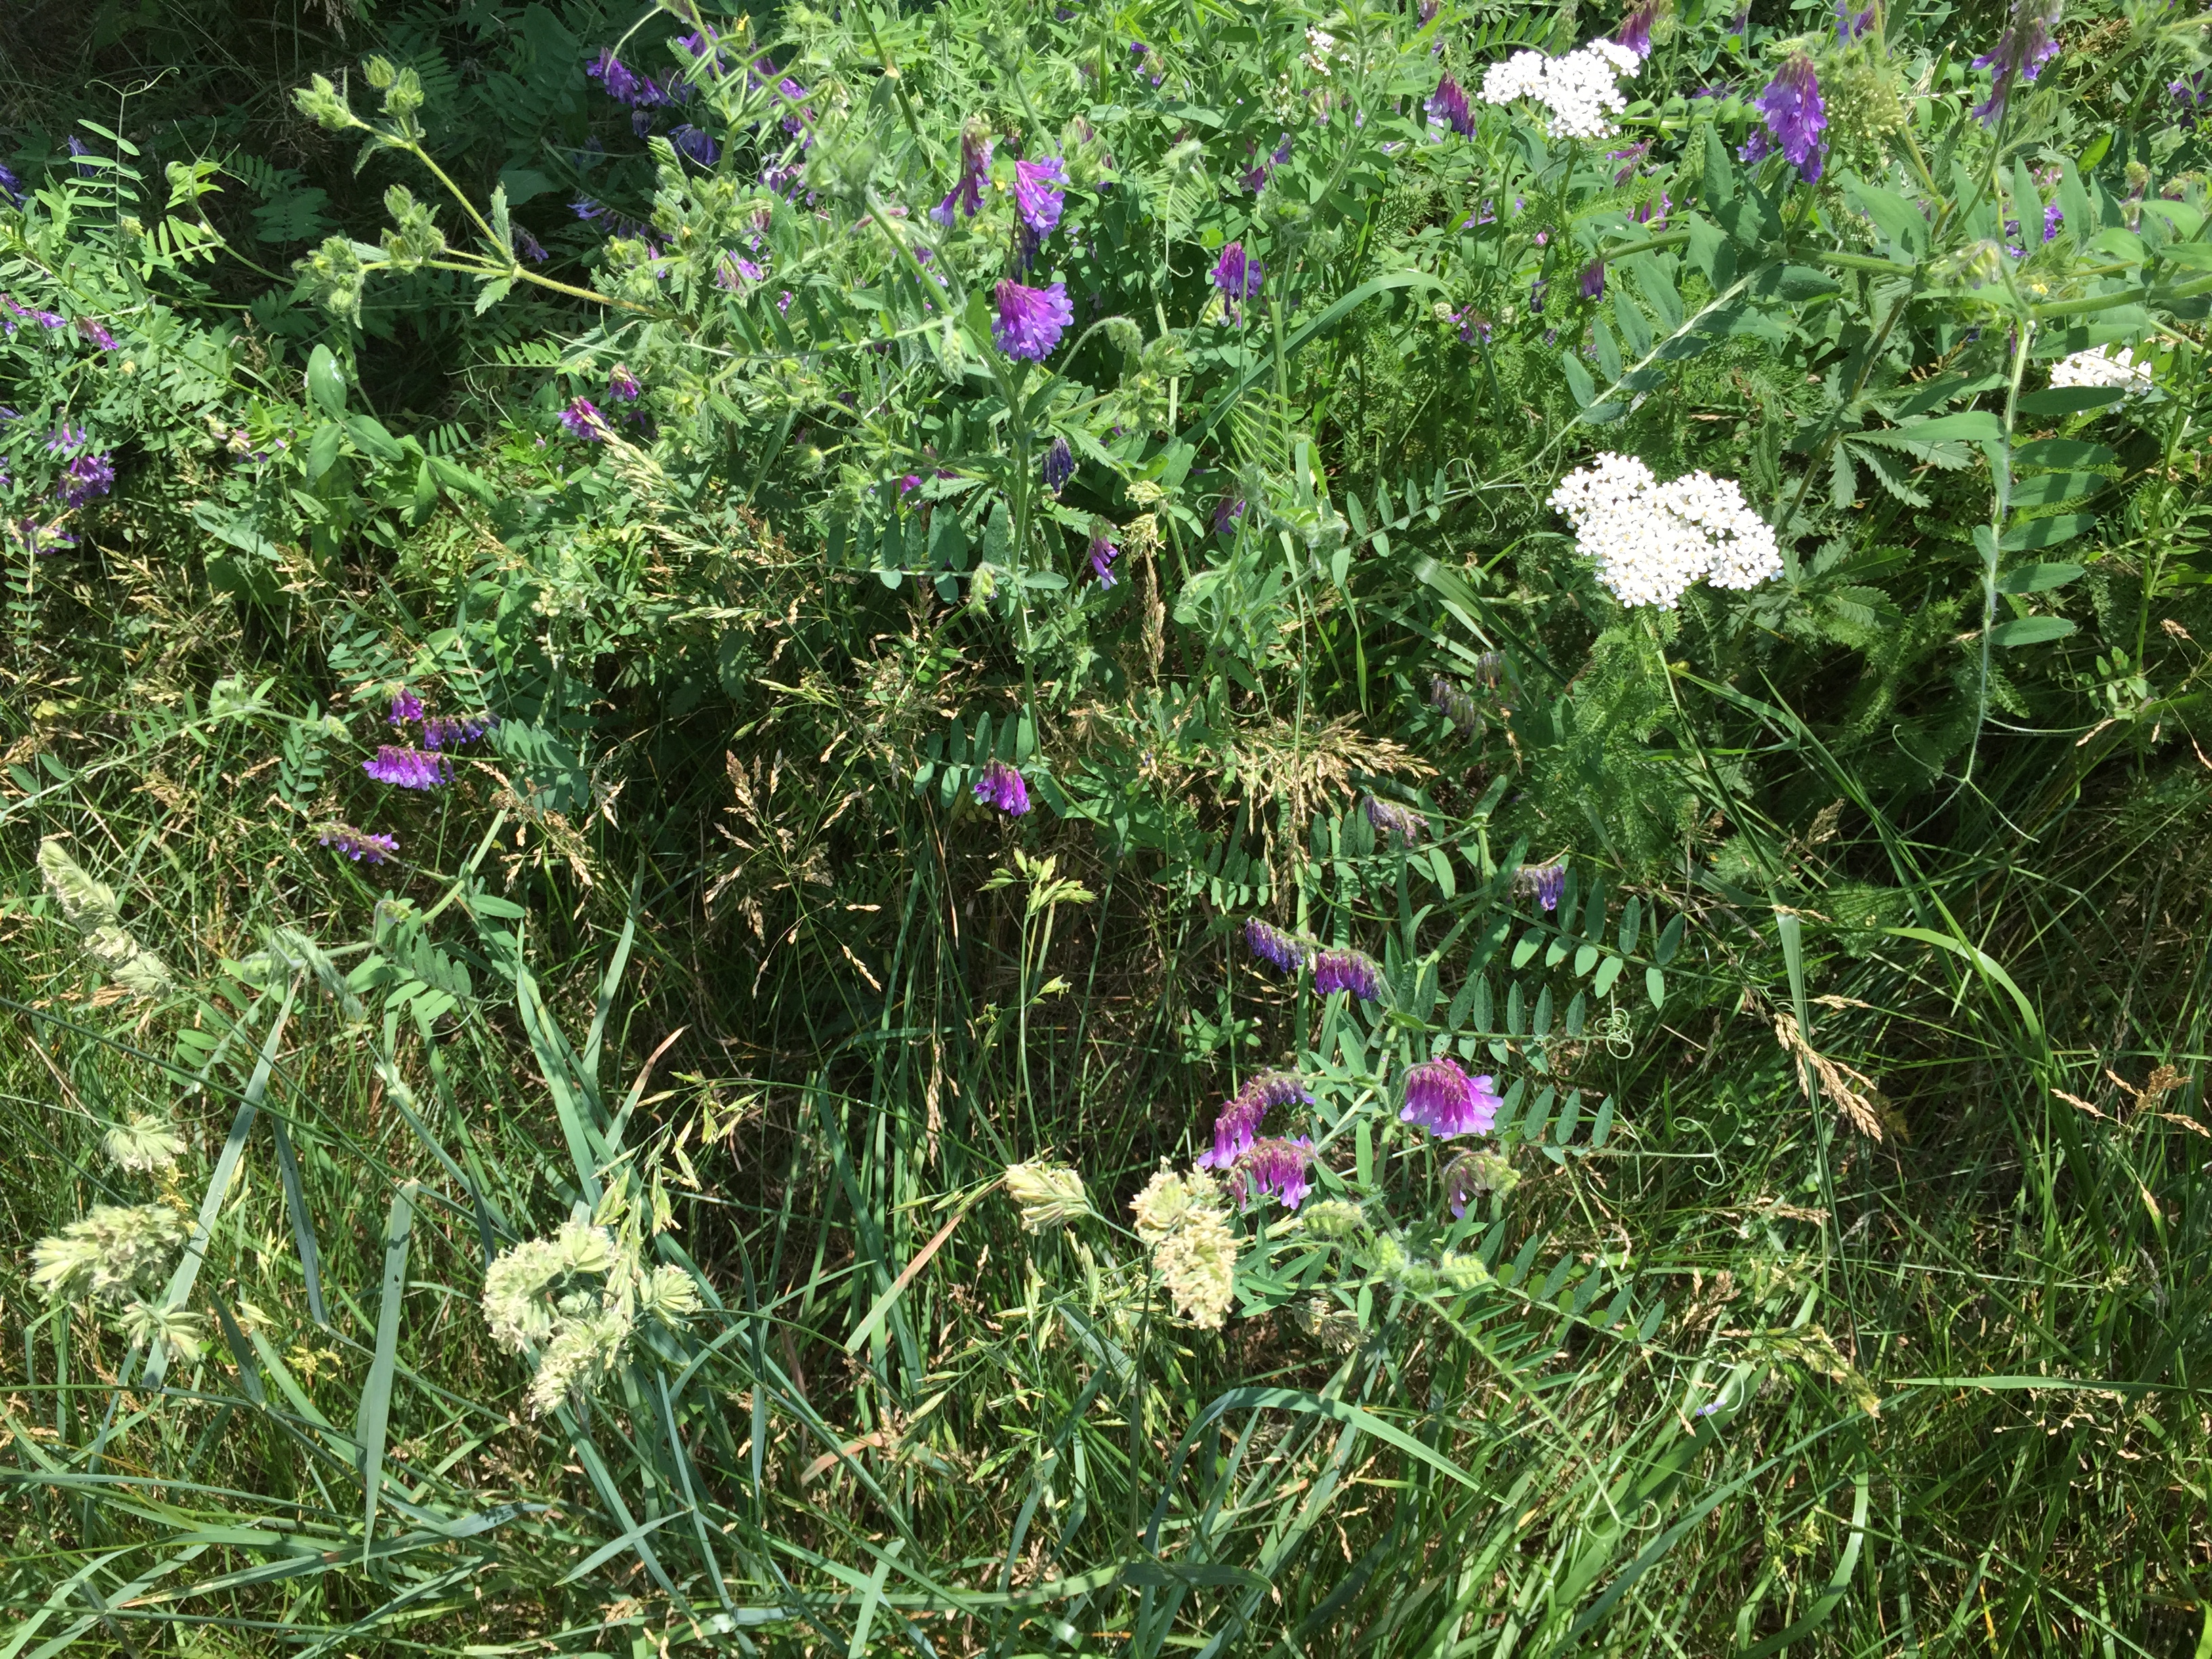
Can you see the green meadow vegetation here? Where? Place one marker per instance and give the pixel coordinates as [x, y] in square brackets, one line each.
[1196, 828]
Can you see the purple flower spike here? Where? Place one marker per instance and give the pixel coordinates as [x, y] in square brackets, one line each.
[10, 186]
[694, 145]
[1001, 787]
[87, 478]
[623, 385]
[1274, 946]
[2027, 44]
[1850, 24]
[584, 421]
[1544, 882]
[1040, 193]
[406, 707]
[94, 332]
[1593, 282]
[1347, 970]
[1448, 107]
[966, 195]
[1446, 1101]
[622, 84]
[1275, 1168]
[1390, 820]
[1234, 1129]
[1102, 555]
[1236, 276]
[360, 845]
[1059, 466]
[1031, 319]
[1793, 110]
[453, 730]
[1635, 28]
[408, 768]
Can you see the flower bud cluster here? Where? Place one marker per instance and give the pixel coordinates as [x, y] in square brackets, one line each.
[1652, 540]
[1580, 90]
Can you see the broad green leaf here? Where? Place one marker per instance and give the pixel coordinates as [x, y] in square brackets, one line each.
[2037, 578]
[2029, 630]
[2046, 532]
[2071, 399]
[325, 381]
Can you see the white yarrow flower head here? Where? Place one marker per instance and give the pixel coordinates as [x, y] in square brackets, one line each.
[1580, 92]
[1651, 540]
[2102, 366]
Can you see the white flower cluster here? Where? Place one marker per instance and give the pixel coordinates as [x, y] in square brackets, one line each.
[1652, 540]
[581, 1294]
[1179, 1218]
[1581, 89]
[2102, 366]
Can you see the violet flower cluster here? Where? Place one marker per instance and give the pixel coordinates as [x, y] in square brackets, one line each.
[1059, 466]
[408, 768]
[1237, 276]
[1391, 820]
[1030, 320]
[1542, 882]
[1793, 115]
[966, 195]
[2027, 43]
[583, 420]
[1002, 787]
[1448, 107]
[1103, 551]
[1347, 970]
[361, 846]
[1283, 951]
[1237, 1125]
[1442, 1098]
[1041, 194]
[1273, 1168]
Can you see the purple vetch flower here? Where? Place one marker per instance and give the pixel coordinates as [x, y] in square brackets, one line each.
[453, 731]
[694, 145]
[1850, 24]
[528, 246]
[966, 195]
[2053, 217]
[79, 149]
[1103, 550]
[1593, 280]
[1273, 1168]
[1707, 1409]
[1542, 882]
[406, 707]
[783, 300]
[622, 84]
[1059, 466]
[1282, 951]
[1445, 1101]
[1237, 276]
[1756, 148]
[2027, 44]
[587, 209]
[1226, 512]
[2191, 93]
[1654, 214]
[1002, 787]
[10, 186]
[622, 384]
[408, 768]
[1030, 320]
[735, 269]
[1238, 1122]
[910, 481]
[87, 478]
[1631, 158]
[1715, 89]
[1472, 1174]
[361, 846]
[584, 421]
[1390, 820]
[1347, 970]
[1454, 704]
[1041, 192]
[1792, 109]
[1636, 27]
[66, 437]
[93, 332]
[1448, 107]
